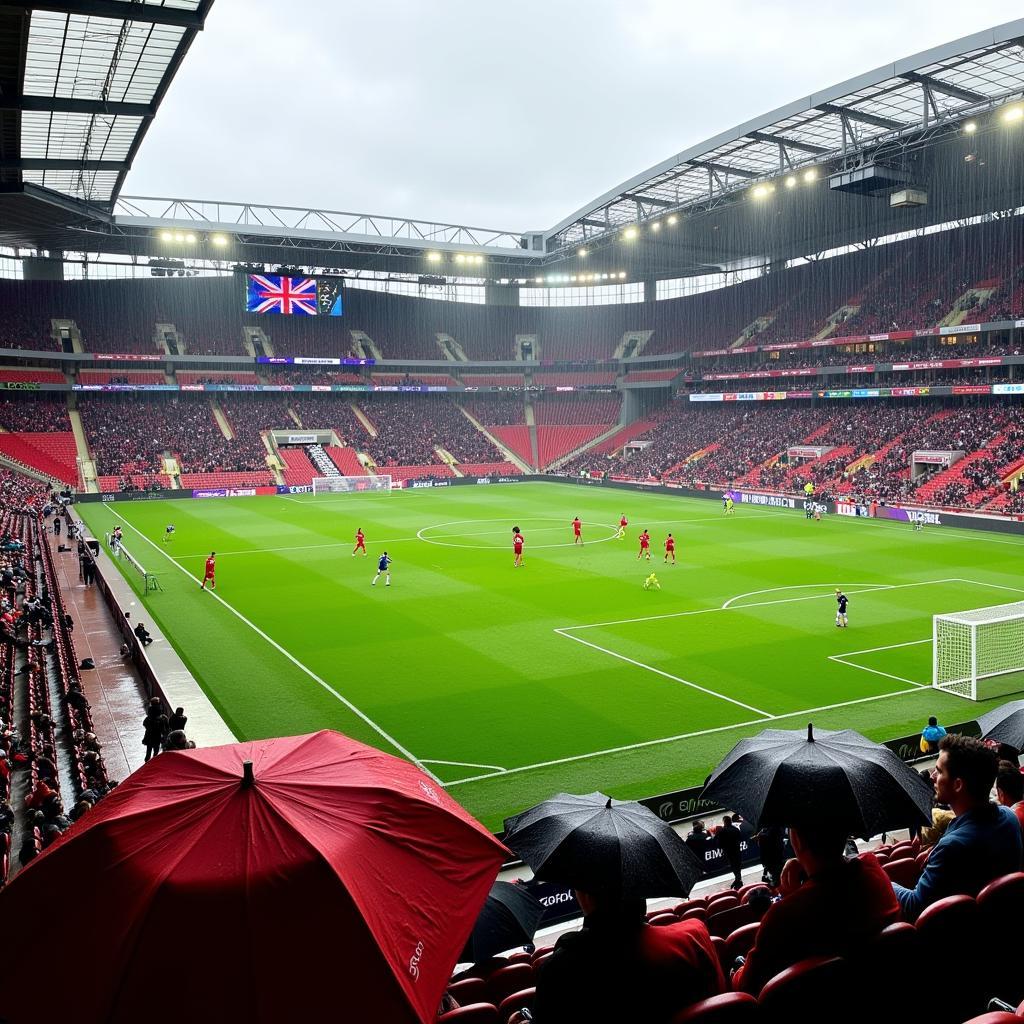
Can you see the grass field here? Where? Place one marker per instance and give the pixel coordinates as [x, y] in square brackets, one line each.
[512, 684]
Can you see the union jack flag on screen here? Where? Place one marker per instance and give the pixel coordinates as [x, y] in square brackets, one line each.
[271, 293]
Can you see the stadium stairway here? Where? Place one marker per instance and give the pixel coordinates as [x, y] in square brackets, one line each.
[955, 473]
[346, 459]
[517, 441]
[492, 435]
[592, 444]
[531, 424]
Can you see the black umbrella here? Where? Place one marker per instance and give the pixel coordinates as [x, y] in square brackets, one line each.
[509, 918]
[835, 778]
[1004, 725]
[598, 844]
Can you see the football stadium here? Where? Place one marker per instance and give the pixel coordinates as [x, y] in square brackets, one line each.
[409, 621]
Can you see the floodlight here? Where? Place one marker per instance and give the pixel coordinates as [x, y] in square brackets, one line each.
[1014, 113]
[459, 258]
[811, 174]
[622, 274]
[791, 181]
[433, 257]
[656, 226]
[970, 127]
[672, 218]
[190, 238]
[604, 277]
[630, 233]
[762, 191]
[179, 236]
[582, 253]
[166, 236]
[538, 280]
[219, 240]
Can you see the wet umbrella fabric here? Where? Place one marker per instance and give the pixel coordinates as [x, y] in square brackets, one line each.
[831, 779]
[323, 880]
[508, 919]
[1004, 725]
[598, 844]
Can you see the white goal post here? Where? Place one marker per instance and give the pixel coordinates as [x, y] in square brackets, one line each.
[979, 654]
[351, 484]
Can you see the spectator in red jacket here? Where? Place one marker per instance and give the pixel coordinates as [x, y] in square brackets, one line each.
[829, 906]
[619, 968]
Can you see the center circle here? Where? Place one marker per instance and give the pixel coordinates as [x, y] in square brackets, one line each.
[506, 533]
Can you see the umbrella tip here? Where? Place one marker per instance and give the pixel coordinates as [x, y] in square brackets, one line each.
[247, 776]
[810, 733]
[608, 806]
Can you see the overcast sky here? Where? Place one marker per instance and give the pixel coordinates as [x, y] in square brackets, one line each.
[506, 115]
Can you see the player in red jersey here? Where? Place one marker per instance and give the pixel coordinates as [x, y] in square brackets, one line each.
[670, 548]
[623, 523]
[360, 543]
[645, 545]
[517, 547]
[577, 526]
[211, 572]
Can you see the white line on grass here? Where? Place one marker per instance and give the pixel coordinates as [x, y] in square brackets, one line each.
[667, 675]
[869, 588]
[997, 586]
[681, 736]
[291, 657]
[799, 586]
[839, 659]
[498, 770]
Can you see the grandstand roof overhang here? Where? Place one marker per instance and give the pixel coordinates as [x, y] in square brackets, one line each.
[922, 98]
[80, 83]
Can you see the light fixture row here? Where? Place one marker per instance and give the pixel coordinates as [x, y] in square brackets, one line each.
[191, 238]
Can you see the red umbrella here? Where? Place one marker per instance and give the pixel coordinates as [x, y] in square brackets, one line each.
[323, 881]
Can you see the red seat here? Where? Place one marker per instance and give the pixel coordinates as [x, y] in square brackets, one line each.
[515, 1002]
[903, 871]
[522, 957]
[475, 1013]
[996, 1017]
[813, 989]
[694, 914]
[728, 921]
[666, 917]
[922, 858]
[509, 979]
[730, 1008]
[726, 901]
[748, 890]
[871, 967]
[1001, 905]
[540, 951]
[955, 923]
[469, 990]
[740, 942]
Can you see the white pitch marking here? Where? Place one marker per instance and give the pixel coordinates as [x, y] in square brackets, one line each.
[839, 659]
[498, 770]
[887, 647]
[681, 736]
[291, 657]
[760, 604]
[667, 675]
[997, 586]
[799, 586]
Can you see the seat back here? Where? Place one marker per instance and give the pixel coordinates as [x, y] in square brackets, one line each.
[725, 901]
[728, 921]
[952, 926]
[512, 1004]
[1001, 905]
[813, 989]
[475, 1013]
[871, 971]
[509, 979]
[730, 1008]
[903, 871]
[740, 942]
[469, 990]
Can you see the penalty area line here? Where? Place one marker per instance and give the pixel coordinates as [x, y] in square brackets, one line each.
[682, 736]
[291, 657]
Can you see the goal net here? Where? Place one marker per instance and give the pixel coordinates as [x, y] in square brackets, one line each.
[350, 484]
[979, 654]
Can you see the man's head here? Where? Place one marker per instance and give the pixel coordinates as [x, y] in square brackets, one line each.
[1009, 784]
[727, 820]
[212, 553]
[932, 720]
[964, 773]
[817, 846]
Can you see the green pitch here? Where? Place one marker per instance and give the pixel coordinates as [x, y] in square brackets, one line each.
[564, 674]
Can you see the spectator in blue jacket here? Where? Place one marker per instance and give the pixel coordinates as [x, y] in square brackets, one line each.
[982, 842]
[931, 735]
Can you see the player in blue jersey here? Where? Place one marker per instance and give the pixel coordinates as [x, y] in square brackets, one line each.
[383, 569]
[168, 532]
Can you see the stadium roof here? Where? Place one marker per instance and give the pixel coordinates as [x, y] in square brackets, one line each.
[943, 85]
[81, 117]
[80, 82]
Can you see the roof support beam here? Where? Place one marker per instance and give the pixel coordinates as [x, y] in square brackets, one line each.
[43, 164]
[67, 105]
[804, 147]
[734, 172]
[647, 200]
[853, 114]
[958, 92]
[117, 10]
